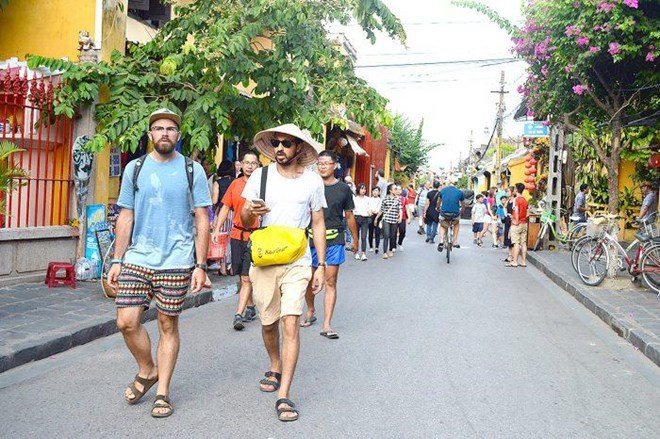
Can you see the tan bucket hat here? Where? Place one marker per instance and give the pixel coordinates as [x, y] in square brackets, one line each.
[308, 155]
[165, 113]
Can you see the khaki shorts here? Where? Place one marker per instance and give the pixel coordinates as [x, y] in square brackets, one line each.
[279, 290]
[519, 234]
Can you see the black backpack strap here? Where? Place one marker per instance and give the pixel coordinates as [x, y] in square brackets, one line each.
[136, 172]
[190, 173]
[264, 178]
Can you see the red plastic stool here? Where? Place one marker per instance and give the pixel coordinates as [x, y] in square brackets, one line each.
[69, 276]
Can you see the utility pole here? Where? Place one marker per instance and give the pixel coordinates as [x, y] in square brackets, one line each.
[470, 159]
[500, 122]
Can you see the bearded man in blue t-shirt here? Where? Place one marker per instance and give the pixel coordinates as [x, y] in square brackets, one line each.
[157, 254]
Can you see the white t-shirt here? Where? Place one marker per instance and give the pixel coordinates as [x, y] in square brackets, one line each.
[291, 200]
[374, 205]
[362, 205]
[478, 213]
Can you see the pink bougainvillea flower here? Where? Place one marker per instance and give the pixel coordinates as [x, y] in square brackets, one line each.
[596, 27]
[530, 113]
[593, 49]
[605, 6]
[568, 68]
[615, 49]
[520, 89]
[582, 41]
[572, 30]
[650, 57]
[544, 71]
[580, 89]
[631, 3]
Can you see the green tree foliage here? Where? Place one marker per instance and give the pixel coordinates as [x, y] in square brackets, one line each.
[10, 175]
[592, 66]
[408, 145]
[195, 61]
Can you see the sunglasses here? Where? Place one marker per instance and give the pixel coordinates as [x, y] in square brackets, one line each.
[285, 143]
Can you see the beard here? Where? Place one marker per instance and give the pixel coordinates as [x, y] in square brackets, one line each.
[283, 160]
[164, 146]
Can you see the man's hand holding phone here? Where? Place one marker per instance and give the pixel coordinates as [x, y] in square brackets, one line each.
[258, 207]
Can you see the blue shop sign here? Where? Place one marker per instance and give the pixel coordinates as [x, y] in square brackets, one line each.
[535, 129]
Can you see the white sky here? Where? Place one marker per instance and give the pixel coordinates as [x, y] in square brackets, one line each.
[454, 98]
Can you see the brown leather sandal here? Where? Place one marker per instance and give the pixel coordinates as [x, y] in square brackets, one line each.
[146, 385]
[162, 402]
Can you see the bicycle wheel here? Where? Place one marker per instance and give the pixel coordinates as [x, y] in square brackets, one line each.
[576, 250]
[593, 262]
[449, 237]
[650, 266]
[539, 238]
[575, 234]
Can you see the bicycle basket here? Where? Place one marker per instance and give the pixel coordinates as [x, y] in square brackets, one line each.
[596, 228]
[548, 217]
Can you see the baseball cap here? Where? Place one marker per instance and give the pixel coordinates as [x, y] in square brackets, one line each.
[165, 113]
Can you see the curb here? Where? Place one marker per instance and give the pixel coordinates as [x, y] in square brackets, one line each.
[65, 341]
[619, 323]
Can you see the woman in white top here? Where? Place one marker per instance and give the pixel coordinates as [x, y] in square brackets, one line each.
[362, 217]
[374, 208]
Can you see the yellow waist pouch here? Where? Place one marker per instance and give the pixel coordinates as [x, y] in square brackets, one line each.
[277, 245]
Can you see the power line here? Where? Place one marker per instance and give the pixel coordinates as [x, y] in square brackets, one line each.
[432, 63]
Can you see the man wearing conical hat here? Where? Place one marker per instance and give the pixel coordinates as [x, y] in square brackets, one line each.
[293, 196]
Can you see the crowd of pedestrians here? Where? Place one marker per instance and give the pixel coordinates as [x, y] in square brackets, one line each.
[288, 227]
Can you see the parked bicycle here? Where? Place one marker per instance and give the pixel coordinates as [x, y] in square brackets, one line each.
[593, 259]
[576, 230]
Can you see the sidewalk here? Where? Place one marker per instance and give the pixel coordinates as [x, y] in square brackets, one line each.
[631, 311]
[37, 322]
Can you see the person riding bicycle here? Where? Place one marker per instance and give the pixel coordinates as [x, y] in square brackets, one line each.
[452, 201]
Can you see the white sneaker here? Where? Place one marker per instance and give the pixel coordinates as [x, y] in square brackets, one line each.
[400, 248]
[371, 250]
[357, 256]
[364, 257]
[393, 250]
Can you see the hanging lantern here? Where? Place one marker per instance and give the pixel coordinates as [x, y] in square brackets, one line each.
[529, 171]
[530, 179]
[533, 161]
[533, 170]
[528, 165]
[530, 187]
[529, 157]
[654, 160]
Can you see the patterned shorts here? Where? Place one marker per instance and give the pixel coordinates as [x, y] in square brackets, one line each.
[138, 285]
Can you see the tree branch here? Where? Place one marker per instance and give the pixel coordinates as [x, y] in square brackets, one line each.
[607, 88]
[599, 150]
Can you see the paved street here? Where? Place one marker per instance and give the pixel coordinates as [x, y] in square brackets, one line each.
[472, 349]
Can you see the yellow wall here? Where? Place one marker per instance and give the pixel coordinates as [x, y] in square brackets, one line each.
[44, 27]
[517, 169]
[106, 188]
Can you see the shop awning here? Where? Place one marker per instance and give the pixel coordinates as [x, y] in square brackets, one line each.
[139, 32]
[357, 149]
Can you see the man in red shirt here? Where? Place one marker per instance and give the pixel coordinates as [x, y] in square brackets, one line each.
[239, 237]
[519, 227]
[412, 197]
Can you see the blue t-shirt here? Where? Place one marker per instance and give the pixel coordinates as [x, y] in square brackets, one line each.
[451, 200]
[162, 224]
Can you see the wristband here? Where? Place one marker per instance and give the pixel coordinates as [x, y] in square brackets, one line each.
[116, 261]
[323, 264]
[202, 266]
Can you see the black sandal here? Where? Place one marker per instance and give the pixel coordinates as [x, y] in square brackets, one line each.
[162, 402]
[290, 409]
[267, 382]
